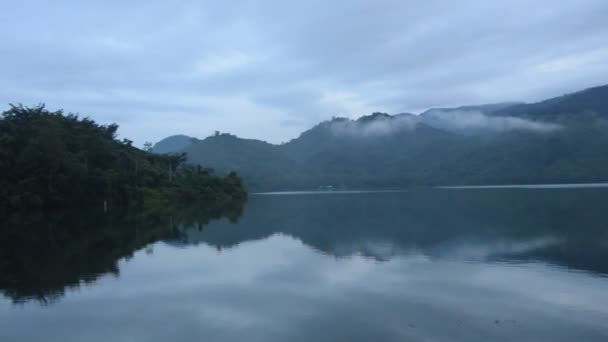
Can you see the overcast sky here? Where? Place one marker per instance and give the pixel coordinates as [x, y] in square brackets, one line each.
[271, 69]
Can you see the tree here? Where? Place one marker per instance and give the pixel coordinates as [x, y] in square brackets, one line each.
[51, 159]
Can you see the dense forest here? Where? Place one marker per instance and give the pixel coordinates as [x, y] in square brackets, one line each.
[49, 159]
[559, 140]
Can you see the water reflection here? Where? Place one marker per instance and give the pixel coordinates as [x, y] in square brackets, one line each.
[566, 227]
[438, 265]
[43, 254]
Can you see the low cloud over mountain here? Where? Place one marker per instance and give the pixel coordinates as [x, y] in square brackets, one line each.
[471, 121]
[560, 140]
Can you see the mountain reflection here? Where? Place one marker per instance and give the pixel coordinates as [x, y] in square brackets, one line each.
[43, 256]
[564, 227]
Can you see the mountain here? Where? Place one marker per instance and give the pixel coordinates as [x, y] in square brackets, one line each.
[554, 141]
[362, 153]
[263, 164]
[589, 102]
[485, 108]
[172, 144]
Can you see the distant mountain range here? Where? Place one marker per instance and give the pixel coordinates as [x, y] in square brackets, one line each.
[563, 139]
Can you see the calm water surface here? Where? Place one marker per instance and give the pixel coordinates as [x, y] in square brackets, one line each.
[420, 265]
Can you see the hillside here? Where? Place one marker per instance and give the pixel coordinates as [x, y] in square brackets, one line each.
[173, 143]
[261, 163]
[56, 160]
[554, 141]
[589, 102]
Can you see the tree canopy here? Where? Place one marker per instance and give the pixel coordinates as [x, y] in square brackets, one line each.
[50, 159]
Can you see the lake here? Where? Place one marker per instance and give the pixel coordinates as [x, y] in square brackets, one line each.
[507, 264]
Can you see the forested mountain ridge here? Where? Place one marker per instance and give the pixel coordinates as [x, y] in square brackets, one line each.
[592, 101]
[173, 144]
[259, 162]
[560, 140]
[486, 108]
[55, 160]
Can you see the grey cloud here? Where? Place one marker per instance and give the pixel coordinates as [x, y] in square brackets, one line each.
[467, 121]
[377, 127]
[460, 121]
[267, 62]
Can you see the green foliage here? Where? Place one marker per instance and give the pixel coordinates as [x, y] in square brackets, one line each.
[51, 159]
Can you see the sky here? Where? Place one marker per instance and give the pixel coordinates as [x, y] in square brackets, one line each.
[272, 69]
